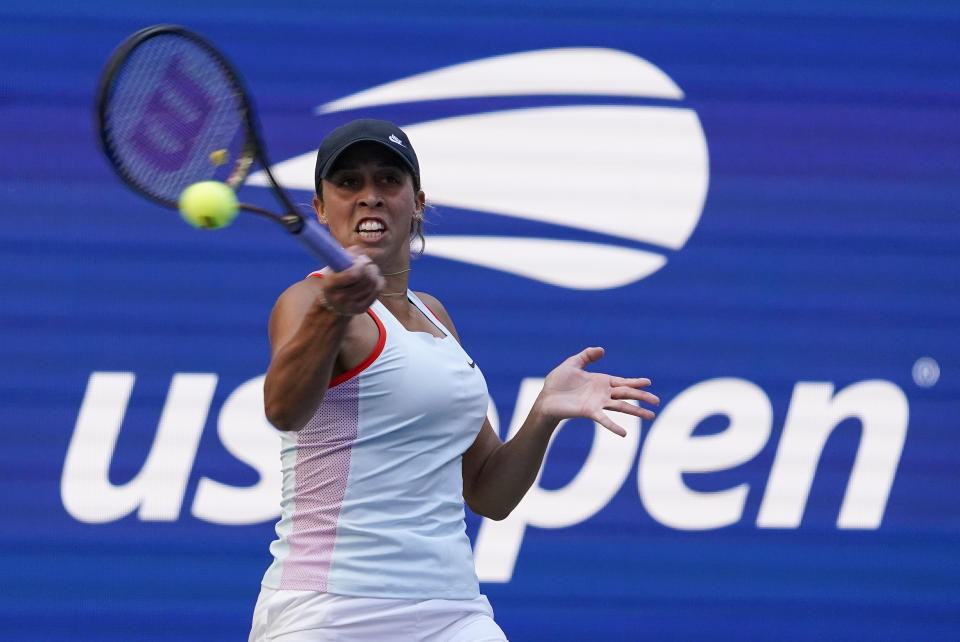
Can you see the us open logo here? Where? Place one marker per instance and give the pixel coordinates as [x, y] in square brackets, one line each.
[635, 174]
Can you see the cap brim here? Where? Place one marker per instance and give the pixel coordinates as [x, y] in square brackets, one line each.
[325, 170]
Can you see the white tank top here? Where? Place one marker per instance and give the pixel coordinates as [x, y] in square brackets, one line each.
[372, 485]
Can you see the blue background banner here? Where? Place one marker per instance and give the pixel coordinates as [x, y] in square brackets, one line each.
[763, 220]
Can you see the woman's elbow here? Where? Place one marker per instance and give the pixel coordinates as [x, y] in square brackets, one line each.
[283, 408]
[496, 513]
[280, 422]
[280, 417]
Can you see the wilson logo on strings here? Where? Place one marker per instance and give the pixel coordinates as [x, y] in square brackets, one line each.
[636, 174]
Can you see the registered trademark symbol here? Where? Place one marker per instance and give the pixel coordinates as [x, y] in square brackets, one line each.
[926, 372]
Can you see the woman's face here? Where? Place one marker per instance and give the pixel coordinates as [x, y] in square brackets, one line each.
[369, 201]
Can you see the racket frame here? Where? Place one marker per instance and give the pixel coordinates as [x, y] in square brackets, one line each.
[307, 230]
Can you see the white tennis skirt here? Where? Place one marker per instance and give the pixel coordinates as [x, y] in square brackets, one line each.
[308, 616]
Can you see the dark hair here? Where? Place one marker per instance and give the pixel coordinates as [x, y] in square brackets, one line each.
[416, 230]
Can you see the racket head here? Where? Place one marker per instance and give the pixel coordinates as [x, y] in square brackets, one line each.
[171, 111]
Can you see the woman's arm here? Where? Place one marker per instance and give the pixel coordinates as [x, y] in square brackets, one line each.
[307, 329]
[497, 475]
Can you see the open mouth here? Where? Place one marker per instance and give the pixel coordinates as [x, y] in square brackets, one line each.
[370, 229]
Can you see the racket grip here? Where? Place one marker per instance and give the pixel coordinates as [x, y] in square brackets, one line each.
[317, 239]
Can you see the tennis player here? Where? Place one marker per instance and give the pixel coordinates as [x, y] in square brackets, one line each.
[384, 429]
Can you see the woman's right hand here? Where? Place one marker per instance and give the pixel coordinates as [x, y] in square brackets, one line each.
[353, 290]
[305, 339]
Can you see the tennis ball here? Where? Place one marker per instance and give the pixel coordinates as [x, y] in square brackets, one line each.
[208, 205]
[219, 157]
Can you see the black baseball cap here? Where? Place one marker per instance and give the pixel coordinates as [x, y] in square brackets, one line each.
[365, 129]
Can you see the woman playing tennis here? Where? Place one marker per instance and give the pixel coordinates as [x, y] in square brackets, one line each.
[384, 430]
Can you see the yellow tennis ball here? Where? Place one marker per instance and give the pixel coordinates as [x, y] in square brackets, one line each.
[219, 157]
[208, 205]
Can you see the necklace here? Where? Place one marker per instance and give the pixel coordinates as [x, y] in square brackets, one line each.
[394, 274]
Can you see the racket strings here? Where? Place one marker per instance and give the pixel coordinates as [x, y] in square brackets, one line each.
[175, 116]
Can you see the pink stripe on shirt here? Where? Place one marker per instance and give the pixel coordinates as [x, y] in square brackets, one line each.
[324, 447]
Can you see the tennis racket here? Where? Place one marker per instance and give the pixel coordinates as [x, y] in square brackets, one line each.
[171, 111]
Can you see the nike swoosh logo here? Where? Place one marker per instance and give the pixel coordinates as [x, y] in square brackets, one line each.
[473, 364]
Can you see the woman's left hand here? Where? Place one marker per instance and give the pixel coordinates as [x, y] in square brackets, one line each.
[570, 391]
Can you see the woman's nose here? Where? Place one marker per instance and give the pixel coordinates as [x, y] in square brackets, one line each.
[371, 198]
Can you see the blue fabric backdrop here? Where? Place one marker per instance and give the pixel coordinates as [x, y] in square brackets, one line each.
[826, 251]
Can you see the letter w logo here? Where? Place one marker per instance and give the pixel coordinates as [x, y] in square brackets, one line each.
[172, 119]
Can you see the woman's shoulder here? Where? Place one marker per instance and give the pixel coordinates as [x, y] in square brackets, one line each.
[433, 304]
[301, 294]
[429, 300]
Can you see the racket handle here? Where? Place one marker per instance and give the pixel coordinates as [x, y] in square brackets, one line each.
[317, 239]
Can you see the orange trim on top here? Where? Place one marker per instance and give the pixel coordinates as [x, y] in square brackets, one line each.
[363, 365]
[441, 325]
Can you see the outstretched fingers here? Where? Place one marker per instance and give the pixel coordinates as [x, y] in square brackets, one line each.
[624, 392]
[638, 382]
[585, 357]
[601, 418]
[628, 408]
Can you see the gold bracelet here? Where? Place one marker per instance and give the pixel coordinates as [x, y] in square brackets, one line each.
[326, 305]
